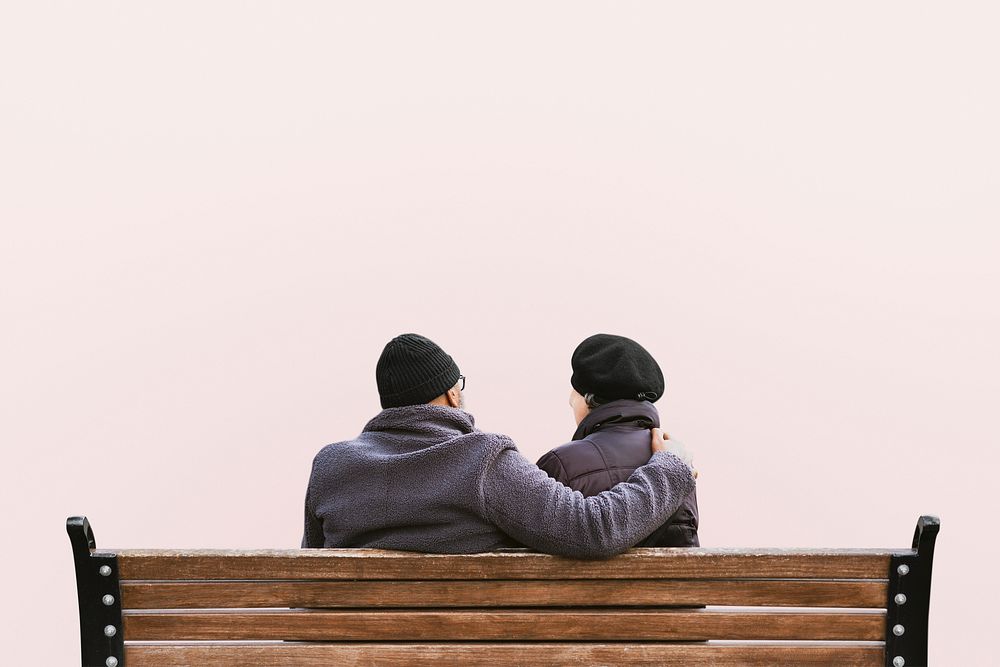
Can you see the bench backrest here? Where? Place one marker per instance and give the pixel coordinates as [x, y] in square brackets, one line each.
[646, 607]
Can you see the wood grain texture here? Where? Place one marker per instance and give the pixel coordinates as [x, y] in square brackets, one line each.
[365, 564]
[524, 593]
[507, 625]
[526, 655]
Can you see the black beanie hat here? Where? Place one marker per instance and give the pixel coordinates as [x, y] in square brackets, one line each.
[614, 367]
[413, 370]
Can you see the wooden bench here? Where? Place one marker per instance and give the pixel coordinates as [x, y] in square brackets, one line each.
[159, 608]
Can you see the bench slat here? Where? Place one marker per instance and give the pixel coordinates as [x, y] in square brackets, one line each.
[622, 592]
[527, 655]
[388, 565]
[536, 625]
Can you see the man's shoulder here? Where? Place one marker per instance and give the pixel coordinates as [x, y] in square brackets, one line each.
[334, 450]
[371, 445]
[486, 442]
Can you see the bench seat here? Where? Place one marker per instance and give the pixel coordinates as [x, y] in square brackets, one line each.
[161, 608]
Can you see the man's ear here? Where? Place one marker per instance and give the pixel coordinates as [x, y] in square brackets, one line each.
[454, 399]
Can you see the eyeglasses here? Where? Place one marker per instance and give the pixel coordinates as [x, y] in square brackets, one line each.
[461, 383]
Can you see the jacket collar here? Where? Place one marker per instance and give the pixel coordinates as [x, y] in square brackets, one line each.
[641, 414]
[432, 420]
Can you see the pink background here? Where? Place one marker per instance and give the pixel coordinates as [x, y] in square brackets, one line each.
[215, 215]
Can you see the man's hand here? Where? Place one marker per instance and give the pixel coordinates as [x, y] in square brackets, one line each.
[663, 443]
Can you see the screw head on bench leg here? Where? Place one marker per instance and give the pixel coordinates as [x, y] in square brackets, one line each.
[105, 570]
[903, 570]
[898, 630]
[900, 599]
[108, 600]
[112, 661]
[898, 661]
[111, 631]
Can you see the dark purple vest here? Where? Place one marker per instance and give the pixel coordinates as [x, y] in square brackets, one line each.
[610, 443]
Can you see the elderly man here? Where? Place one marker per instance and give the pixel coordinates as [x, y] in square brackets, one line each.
[421, 477]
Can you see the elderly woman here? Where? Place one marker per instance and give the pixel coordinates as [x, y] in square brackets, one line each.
[615, 383]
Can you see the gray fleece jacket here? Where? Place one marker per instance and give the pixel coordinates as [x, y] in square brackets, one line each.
[423, 478]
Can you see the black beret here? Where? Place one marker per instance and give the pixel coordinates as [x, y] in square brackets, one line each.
[614, 367]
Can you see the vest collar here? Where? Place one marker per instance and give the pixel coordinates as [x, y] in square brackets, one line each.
[641, 414]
